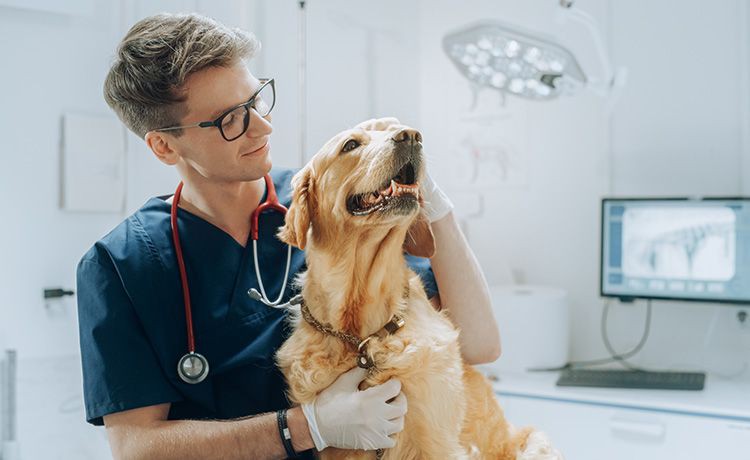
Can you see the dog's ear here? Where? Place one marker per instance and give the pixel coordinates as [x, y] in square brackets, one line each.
[419, 239]
[297, 220]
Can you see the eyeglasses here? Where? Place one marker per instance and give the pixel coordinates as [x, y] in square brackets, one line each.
[234, 122]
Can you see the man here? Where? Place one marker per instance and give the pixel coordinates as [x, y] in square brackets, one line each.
[179, 82]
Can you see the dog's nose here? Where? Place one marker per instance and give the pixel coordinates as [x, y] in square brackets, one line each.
[408, 135]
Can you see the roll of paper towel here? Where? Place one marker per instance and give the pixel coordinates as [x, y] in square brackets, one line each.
[534, 325]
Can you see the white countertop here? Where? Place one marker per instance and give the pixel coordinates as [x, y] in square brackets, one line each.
[721, 398]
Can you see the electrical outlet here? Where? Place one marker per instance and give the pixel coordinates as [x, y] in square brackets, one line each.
[743, 320]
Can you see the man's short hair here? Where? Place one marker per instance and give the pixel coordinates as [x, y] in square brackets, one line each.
[144, 86]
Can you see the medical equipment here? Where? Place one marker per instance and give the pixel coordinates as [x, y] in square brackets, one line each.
[511, 60]
[526, 64]
[537, 327]
[302, 81]
[8, 416]
[686, 249]
[193, 367]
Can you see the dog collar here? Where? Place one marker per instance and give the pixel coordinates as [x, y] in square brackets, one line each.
[363, 358]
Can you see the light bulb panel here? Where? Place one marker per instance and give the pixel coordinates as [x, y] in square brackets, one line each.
[508, 59]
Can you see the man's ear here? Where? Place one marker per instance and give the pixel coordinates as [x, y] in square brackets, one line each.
[419, 239]
[159, 144]
[297, 220]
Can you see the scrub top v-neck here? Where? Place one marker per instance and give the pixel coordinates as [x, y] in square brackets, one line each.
[132, 318]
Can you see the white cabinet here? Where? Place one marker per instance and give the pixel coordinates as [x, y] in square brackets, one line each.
[617, 424]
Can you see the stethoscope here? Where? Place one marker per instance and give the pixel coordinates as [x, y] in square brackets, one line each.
[193, 367]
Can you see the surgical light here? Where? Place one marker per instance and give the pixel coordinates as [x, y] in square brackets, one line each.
[498, 56]
[529, 65]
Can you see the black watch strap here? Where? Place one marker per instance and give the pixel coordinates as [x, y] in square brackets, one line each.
[286, 436]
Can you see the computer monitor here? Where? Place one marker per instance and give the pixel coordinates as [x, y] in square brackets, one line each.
[676, 249]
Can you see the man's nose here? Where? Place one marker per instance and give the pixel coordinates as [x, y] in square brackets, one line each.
[259, 126]
[407, 135]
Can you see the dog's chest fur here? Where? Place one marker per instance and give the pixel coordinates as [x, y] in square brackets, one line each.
[426, 345]
[423, 355]
[425, 348]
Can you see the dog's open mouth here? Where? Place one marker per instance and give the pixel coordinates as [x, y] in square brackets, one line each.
[400, 190]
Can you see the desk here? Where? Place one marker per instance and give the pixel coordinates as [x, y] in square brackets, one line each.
[626, 424]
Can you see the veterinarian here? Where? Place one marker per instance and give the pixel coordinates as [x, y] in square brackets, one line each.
[176, 71]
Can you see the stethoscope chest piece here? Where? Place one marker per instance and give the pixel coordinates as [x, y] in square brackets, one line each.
[193, 368]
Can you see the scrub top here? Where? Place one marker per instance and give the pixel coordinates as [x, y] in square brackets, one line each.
[132, 315]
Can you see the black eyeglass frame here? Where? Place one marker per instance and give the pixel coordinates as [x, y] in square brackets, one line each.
[246, 120]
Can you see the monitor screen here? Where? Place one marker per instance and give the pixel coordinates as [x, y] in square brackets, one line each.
[681, 249]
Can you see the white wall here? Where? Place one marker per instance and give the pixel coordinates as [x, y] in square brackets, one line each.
[544, 227]
[680, 129]
[677, 130]
[361, 63]
[52, 63]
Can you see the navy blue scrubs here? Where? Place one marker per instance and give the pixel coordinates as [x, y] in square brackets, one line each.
[132, 317]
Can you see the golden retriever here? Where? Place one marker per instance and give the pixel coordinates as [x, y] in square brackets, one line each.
[355, 209]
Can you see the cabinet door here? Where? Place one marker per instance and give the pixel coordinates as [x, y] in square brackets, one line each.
[593, 432]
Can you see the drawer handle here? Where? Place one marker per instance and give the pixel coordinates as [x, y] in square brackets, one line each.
[643, 429]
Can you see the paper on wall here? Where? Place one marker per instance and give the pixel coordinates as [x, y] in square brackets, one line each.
[93, 163]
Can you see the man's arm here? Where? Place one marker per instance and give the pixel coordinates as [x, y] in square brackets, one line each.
[145, 433]
[464, 293]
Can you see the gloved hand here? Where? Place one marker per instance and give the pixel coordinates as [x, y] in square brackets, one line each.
[344, 417]
[436, 203]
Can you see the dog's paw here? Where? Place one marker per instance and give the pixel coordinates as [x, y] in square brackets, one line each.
[539, 447]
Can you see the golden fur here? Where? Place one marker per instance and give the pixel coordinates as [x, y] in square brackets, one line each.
[354, 282]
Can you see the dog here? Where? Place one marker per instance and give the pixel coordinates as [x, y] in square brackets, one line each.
[355, 209]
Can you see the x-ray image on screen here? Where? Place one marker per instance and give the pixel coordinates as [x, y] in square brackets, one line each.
[689, 243]
[676, 248]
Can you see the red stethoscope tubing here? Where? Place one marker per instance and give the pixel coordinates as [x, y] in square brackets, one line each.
[271, 202]
[183, 273]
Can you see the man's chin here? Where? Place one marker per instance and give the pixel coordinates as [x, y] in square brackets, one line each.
[260, 169]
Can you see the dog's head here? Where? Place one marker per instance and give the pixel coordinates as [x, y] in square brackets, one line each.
[362, 178]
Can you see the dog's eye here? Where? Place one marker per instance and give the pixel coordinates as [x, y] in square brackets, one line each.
[350, 145]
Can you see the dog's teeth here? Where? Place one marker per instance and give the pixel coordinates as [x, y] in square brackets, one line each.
[395, 189]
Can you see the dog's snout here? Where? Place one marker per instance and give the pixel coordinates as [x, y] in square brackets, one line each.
[408, 135]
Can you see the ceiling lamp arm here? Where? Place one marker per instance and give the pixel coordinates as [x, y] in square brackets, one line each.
[611, 81]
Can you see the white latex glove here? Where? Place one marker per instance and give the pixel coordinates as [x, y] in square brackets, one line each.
[343, 416]
[436, 203]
